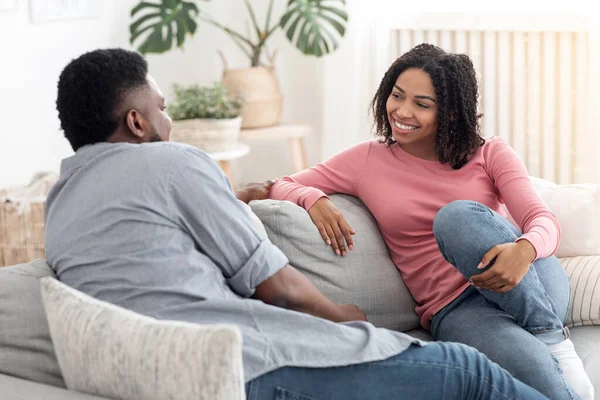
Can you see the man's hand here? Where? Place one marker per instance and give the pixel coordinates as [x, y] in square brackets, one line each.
[353, 313]
[334, 229]
[511, 263]
[255, 191]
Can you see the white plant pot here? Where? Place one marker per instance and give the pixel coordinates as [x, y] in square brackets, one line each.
[210, 135]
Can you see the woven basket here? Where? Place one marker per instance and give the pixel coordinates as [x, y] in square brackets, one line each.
[21, 233]
[259, 89]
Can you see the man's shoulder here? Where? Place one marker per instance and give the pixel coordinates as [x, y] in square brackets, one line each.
[178, 153]
[172, 149]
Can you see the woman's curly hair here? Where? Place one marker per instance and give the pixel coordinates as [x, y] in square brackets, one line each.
[458, 132]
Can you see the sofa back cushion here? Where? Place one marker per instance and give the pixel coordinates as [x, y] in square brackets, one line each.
[577, 208]
[25, 347]
[584, 279]
[365, 277]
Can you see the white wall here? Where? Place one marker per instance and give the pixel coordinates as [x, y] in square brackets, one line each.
[34, 54]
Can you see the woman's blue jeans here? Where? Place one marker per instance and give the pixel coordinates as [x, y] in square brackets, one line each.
[511, 328]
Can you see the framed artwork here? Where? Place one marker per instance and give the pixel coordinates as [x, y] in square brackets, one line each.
[8, 5]
[53, 10]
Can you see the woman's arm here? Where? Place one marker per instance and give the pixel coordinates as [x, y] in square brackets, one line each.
[339, 174]
[538, 224]
[541, 233]
[309, 189]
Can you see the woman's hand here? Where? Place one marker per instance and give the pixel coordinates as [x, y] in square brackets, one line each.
[511, 261]
[334, 229]
[255, 191]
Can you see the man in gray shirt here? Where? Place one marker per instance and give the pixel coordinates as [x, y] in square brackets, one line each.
[155, 227]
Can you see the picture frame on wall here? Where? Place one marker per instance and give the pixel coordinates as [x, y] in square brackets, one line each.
[8, 5]
[56, 10]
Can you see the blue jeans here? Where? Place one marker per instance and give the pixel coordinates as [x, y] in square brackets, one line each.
[511, 328]
[437, 371]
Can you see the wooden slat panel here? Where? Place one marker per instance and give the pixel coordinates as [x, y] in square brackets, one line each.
[534, 83]
[431, 36]
[405, 42]
[548, 101]
[489, 84]
[581, 109]
[461, 45]
[519, 96]
[566, 95]
[504, 92]
[474, 40]
[446, 39]
[418, 37]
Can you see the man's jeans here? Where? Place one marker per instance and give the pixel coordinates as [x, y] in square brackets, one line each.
[437, 371]
[510, 328]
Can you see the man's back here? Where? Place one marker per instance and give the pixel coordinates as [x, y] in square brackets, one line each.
[112, 210]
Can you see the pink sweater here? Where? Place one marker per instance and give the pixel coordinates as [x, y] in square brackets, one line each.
[404, 193]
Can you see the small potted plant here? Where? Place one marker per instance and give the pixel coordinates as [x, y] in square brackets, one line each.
[205, 117]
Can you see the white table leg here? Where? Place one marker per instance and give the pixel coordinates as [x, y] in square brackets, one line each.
[226, 167]
[298, 154]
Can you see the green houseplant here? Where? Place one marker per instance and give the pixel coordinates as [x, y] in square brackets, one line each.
[313, 26]
[205, 117]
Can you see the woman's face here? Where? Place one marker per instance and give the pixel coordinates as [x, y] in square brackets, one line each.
[412, 110]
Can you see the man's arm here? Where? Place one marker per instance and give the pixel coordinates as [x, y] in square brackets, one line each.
[288, 288]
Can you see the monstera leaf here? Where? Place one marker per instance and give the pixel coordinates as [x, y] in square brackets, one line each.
[314, 26]
[166, 22]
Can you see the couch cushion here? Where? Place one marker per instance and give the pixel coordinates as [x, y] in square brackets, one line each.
[584, 278]
[20, 389]
[365, 277]
[25, 347]
[577, 208]
[106, 350]
[587, 344]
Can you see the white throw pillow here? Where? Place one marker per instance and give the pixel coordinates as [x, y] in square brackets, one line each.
[584, 277]
[106, 350]
[577, 208]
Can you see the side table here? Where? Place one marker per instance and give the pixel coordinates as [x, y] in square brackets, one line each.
[295, 133]
[224, 157]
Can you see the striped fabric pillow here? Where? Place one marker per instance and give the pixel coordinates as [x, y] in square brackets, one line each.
[584, 275]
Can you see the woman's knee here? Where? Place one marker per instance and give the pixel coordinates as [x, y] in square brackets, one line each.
[451, 215]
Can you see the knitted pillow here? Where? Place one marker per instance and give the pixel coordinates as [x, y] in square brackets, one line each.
[106, 350]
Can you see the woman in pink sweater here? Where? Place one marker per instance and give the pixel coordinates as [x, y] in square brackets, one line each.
[436, 189]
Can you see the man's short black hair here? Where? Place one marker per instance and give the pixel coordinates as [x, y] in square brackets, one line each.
[90, 89]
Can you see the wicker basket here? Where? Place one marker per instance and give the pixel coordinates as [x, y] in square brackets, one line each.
[21, 232]
[259, 89]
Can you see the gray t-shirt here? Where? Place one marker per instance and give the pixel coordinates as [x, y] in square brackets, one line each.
[156, 228]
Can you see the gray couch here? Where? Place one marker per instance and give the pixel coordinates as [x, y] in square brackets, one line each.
[367, 277]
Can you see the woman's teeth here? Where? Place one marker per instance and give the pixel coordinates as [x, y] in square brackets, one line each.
[404, 127]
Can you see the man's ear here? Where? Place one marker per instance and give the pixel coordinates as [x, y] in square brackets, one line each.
[135, 123]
